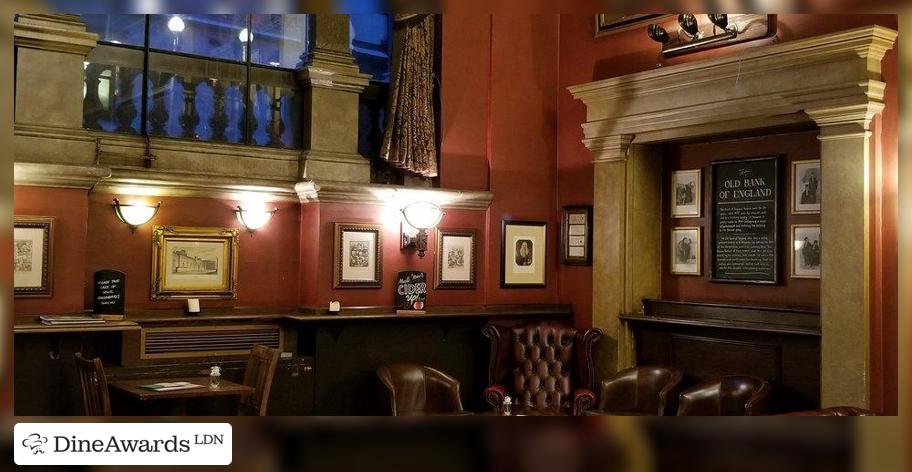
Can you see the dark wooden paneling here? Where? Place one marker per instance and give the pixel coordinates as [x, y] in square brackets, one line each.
[708, 344]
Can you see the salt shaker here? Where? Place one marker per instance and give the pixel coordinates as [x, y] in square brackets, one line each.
[215, 377]
[507, 403]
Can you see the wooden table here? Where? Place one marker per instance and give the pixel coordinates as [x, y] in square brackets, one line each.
[132, 389]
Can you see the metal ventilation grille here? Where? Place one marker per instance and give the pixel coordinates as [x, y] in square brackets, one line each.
[194, 341]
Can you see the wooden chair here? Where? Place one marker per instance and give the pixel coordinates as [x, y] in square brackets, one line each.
[95, 397]
[261, 367]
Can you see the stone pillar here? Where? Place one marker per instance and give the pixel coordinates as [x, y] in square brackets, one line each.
[49, 69]
[609, 233]
[845, 147]
[332, 85]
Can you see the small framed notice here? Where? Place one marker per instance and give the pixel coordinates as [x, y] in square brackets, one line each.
[108, 292]
[576, 235]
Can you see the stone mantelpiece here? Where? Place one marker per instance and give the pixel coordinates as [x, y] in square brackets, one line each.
[832, 81]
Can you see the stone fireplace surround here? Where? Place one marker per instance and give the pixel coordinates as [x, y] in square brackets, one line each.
[832, 81]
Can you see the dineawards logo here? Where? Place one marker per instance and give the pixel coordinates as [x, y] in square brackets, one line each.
[122, 443]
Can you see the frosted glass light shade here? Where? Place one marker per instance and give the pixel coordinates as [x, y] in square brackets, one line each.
[254, 219]
[422, 215]
[135, 214]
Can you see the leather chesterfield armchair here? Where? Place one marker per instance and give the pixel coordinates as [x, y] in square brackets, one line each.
[547, 368]
[416, 390]
[639, 391]
[730, 395]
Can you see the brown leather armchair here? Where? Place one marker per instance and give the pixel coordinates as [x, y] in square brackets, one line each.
[730, 395]
[834, 411]
[639, 391]
[415, 390]
[547, 368]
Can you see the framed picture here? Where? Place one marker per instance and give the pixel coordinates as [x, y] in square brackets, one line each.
[455, 264]
[806, 187]
[686, 193]
[523, 247]
[806, 251]
[192, 262]
[33, 256]
[357, 258]
[576, 235]
[686, 256]
[607, 23]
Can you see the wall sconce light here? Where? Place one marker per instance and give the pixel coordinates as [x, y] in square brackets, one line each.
[254, 219]
[720, 30]
[419, 218]
[135, 214]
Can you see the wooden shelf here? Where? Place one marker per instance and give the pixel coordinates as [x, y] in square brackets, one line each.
[36, 327]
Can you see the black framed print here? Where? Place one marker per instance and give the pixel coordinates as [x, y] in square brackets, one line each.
[522, 254]
[33, 256]
[806, 187]
[576, 235]
[357, 255]
[686, 251]
[806, 251]
[686, 192]
[455, 261]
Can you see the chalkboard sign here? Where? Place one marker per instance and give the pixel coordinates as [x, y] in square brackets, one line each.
[411, 291]
[745, 224]
[108, 292]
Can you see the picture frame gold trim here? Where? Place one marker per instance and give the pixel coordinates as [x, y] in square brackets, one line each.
[606, 23]
[47, 224]
[793, 187]
[338, 230]
[698, 245]
[161, 234]
[794, 273]
[439, 283]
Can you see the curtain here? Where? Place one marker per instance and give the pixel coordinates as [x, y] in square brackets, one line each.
[409, 137]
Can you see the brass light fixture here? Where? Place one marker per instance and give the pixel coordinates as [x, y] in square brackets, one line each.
[419, 218]
[720, 30]
[135, 214]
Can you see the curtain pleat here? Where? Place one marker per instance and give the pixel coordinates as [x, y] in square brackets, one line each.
[409, 137]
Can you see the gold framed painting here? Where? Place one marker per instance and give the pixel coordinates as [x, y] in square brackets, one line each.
[607, 23]
[523, 246]
[455, 261]
[192, 262]
[357, 255]
[33, 256]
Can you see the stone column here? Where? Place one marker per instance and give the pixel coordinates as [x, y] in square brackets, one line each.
[332, 85]
[845, 147]
[608, 247]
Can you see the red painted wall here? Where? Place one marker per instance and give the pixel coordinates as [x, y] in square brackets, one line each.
[584, 58]
[794, 293]
[267, 259]
[69, 207]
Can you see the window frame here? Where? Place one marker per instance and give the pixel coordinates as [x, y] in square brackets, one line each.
[147, 49]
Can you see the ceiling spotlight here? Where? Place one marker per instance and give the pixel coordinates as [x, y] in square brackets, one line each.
[657, 33]
[689, 24]
[720, 20]
[176, 24]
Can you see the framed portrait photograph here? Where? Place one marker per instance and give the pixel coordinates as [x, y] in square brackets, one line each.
[33, 256]
[455, 263]
[686, 255]
[686, 193]
[194, 262]
[357, 255]
[576, 235]
[806, 187]
[806, 251]
[523, 246]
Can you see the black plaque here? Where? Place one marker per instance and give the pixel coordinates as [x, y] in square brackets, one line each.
[745, 226]
[411, 291]
[108, 292]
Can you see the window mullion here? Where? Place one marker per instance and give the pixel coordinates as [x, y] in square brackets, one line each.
[248, 104]
[145, 80]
